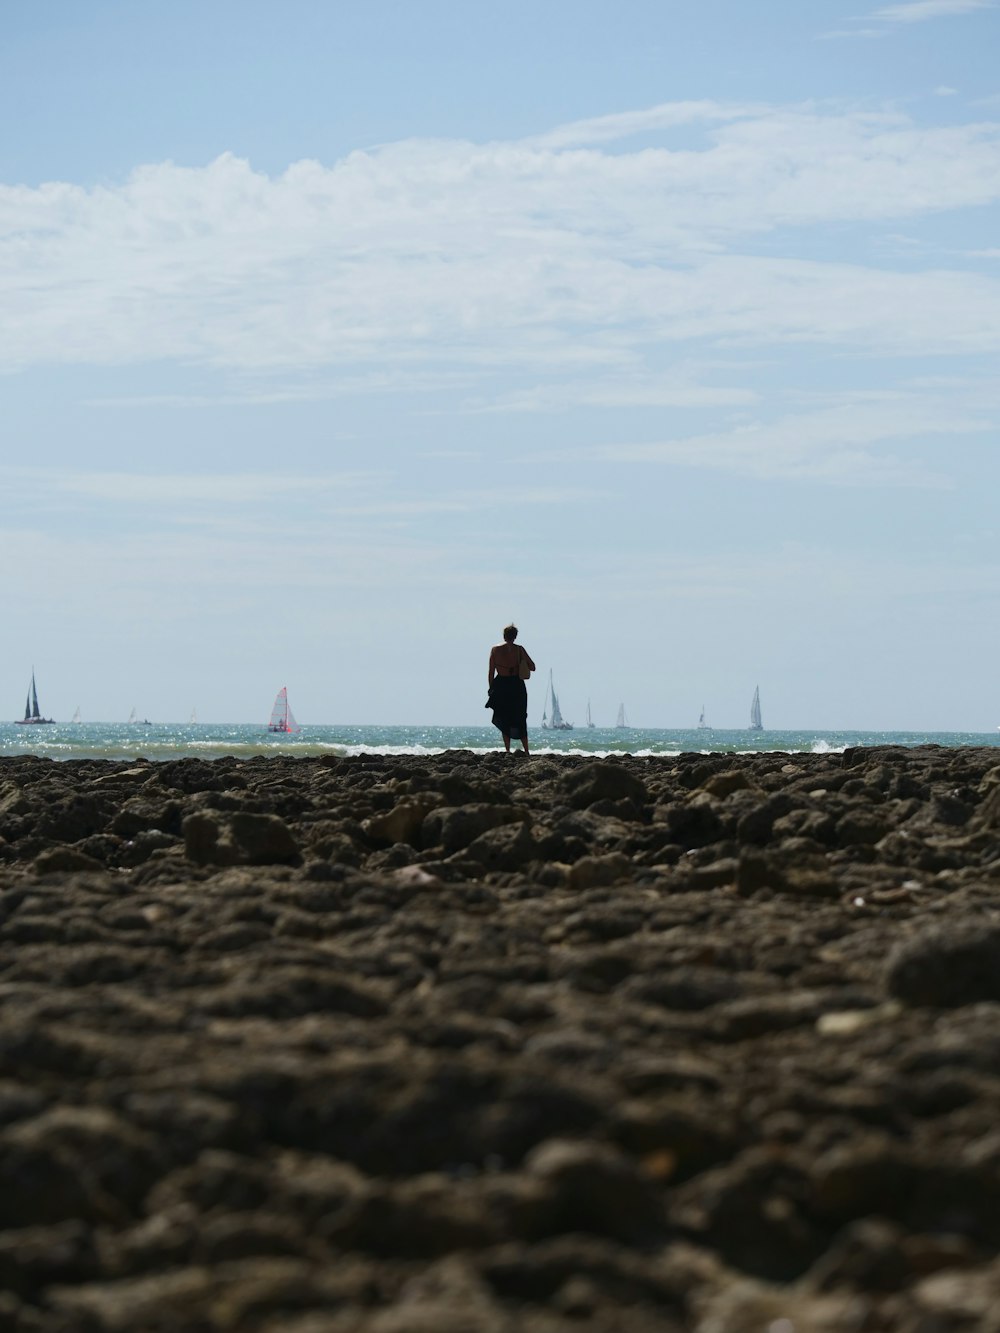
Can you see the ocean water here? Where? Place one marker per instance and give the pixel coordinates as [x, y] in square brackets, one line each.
[95, 740]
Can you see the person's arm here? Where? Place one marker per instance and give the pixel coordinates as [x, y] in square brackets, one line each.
[530, 662]
[493, 666]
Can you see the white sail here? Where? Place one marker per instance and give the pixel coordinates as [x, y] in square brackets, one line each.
[281, 715]
[620, 720]
[76, 715]
[556, 722]
[590, 723]
[557, 716]
[755, 722]
[132, 716]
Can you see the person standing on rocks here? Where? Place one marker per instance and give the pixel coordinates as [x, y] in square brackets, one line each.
[510, 666]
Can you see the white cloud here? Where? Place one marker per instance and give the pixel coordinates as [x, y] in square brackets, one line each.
[566, 250]
[920, 11]
[205, 489]
[265, 505]
[622, 125]
[616, 391]
[840, 443]
[840, 34]
[914, 11]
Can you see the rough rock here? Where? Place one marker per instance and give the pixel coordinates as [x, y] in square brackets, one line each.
[947, 965]
[466, 1043]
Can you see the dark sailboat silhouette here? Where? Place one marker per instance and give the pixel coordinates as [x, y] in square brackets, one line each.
[32, 715]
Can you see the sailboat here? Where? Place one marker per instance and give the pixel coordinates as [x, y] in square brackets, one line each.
[556, 721]
[589, 722]
[755, 722]
[702, 724]
[281, 715]
[133, 719]
[620, 720]
[76, 716]
[193, 719]
[32, 716]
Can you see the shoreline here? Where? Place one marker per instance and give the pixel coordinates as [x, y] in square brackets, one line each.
[168, 742]
[454, 1042]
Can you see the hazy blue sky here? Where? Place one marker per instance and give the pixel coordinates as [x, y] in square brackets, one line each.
[335, 335]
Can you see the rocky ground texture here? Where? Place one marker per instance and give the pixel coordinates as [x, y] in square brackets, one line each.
[470, 1044]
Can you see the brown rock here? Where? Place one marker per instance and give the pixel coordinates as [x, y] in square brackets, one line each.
[404, 821]
[239, 839]
[597, 1189]
[593, 871]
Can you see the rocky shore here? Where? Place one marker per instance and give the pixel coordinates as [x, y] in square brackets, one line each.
[472, 1044]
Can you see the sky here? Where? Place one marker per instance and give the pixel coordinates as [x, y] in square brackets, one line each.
[335, 336]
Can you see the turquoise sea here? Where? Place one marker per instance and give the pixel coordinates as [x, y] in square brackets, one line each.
[95, 740]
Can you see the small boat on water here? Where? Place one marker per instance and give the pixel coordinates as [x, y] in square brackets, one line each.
[702, 724]
[620, 721]
[76, 716]
[590, 725]
[32, 713]
[755, 722]
[134, 720]
[282, 720]
[554, 720]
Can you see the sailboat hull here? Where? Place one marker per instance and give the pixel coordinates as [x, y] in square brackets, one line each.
[34, 721]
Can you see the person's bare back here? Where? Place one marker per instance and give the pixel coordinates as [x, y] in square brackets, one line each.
[505, 660]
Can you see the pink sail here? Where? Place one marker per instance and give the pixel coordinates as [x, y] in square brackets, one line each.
[281, 715]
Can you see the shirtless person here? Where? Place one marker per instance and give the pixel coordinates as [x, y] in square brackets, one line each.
[508, 696]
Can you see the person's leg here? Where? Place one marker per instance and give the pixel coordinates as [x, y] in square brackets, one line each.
[524, 740]
[506, 742]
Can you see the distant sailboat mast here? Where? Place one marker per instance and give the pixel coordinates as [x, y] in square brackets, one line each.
[620, 721]
[755, 722]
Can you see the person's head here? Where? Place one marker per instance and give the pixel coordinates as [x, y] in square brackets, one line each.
[510, 633]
